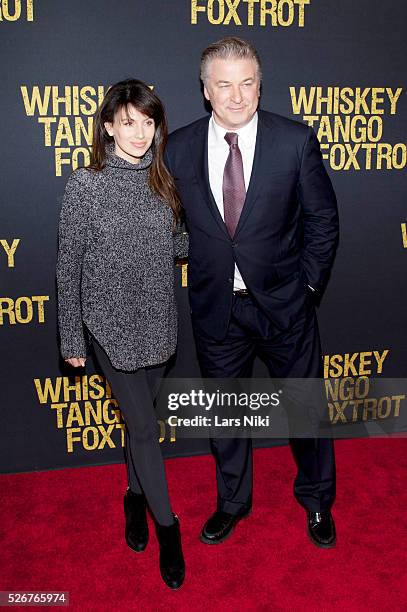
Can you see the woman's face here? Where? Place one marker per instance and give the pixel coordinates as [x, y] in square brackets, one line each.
[133, 133]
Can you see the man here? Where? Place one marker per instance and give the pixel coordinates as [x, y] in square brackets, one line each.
[263, 225]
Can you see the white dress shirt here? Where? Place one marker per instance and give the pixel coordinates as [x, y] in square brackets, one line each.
[218, 151]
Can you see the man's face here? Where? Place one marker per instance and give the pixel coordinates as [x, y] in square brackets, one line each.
[233, 88]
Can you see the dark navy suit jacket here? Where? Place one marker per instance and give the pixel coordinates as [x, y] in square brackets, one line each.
[287, 232]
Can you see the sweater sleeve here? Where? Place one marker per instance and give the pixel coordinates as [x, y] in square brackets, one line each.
[180, 242]
[71, 250]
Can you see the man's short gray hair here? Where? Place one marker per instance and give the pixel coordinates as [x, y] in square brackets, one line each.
[226, 48]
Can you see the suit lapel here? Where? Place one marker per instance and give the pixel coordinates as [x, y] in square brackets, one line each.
[264, 154]
[199, 156]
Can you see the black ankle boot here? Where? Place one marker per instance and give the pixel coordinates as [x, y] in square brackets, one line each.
[136, 530]
[172, 565]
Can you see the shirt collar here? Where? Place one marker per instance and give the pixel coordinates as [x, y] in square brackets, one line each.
[247, 134]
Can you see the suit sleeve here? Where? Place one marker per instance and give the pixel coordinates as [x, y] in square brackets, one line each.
[71, 250]
[180, 236]
[319, 214]
[167, 161]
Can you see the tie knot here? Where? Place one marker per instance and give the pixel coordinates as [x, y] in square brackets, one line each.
[231, 138]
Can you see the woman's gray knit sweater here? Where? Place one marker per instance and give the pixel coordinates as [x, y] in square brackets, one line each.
[115, 270]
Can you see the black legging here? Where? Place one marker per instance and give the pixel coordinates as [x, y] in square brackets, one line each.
[145, 465]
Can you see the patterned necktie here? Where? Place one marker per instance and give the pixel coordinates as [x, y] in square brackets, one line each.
[234, 191]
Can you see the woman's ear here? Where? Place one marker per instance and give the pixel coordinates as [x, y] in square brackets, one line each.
[108, 128]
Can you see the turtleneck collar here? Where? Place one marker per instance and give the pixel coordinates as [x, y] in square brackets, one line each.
[114, 161]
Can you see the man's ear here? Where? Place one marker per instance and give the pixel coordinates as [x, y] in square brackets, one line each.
[206, 93]
[108, 128]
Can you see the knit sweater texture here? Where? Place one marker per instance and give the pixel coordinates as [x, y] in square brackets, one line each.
[115, 268]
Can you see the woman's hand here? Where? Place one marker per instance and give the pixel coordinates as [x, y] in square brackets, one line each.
[76, 362]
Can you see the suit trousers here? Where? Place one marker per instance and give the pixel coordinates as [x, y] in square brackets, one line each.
[294, 353]
[135, 392]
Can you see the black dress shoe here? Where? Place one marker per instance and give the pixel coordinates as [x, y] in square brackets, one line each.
[172, 564]
[220, 526]
[136, 529]
[321, 529]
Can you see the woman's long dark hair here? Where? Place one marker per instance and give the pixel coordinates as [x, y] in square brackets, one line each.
[138, 94]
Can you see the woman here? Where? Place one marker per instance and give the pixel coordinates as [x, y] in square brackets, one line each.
[115, 276]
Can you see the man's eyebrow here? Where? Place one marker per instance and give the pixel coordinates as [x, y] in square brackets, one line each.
[228, 82]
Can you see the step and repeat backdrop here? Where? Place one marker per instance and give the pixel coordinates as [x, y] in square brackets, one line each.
[338, 66]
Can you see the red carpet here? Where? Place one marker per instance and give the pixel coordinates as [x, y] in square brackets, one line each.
[62, 530]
